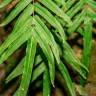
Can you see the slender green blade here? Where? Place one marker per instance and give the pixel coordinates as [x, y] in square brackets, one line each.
[49, 37]
[71, 58]
[48, 53]
[55, 9]
[46, 83]
[92, 3]
[14, 35]
[16, 72]
[68, 4]
[59, 2]
[19, 70]
[92, 14]
[67, 78]
[23, 17]
[20, 6]
[87, 45]
[50, 18]
[38, 71]
[15, 45]
[77, 22]
[76, 8]
[28, 66]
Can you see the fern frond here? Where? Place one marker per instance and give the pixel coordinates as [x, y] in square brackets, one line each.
[62, 16]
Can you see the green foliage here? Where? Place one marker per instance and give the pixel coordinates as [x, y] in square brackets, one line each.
[87, 43]
[45, 23]
[46, 83]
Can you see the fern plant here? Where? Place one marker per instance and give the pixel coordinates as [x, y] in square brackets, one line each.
[46, 25]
